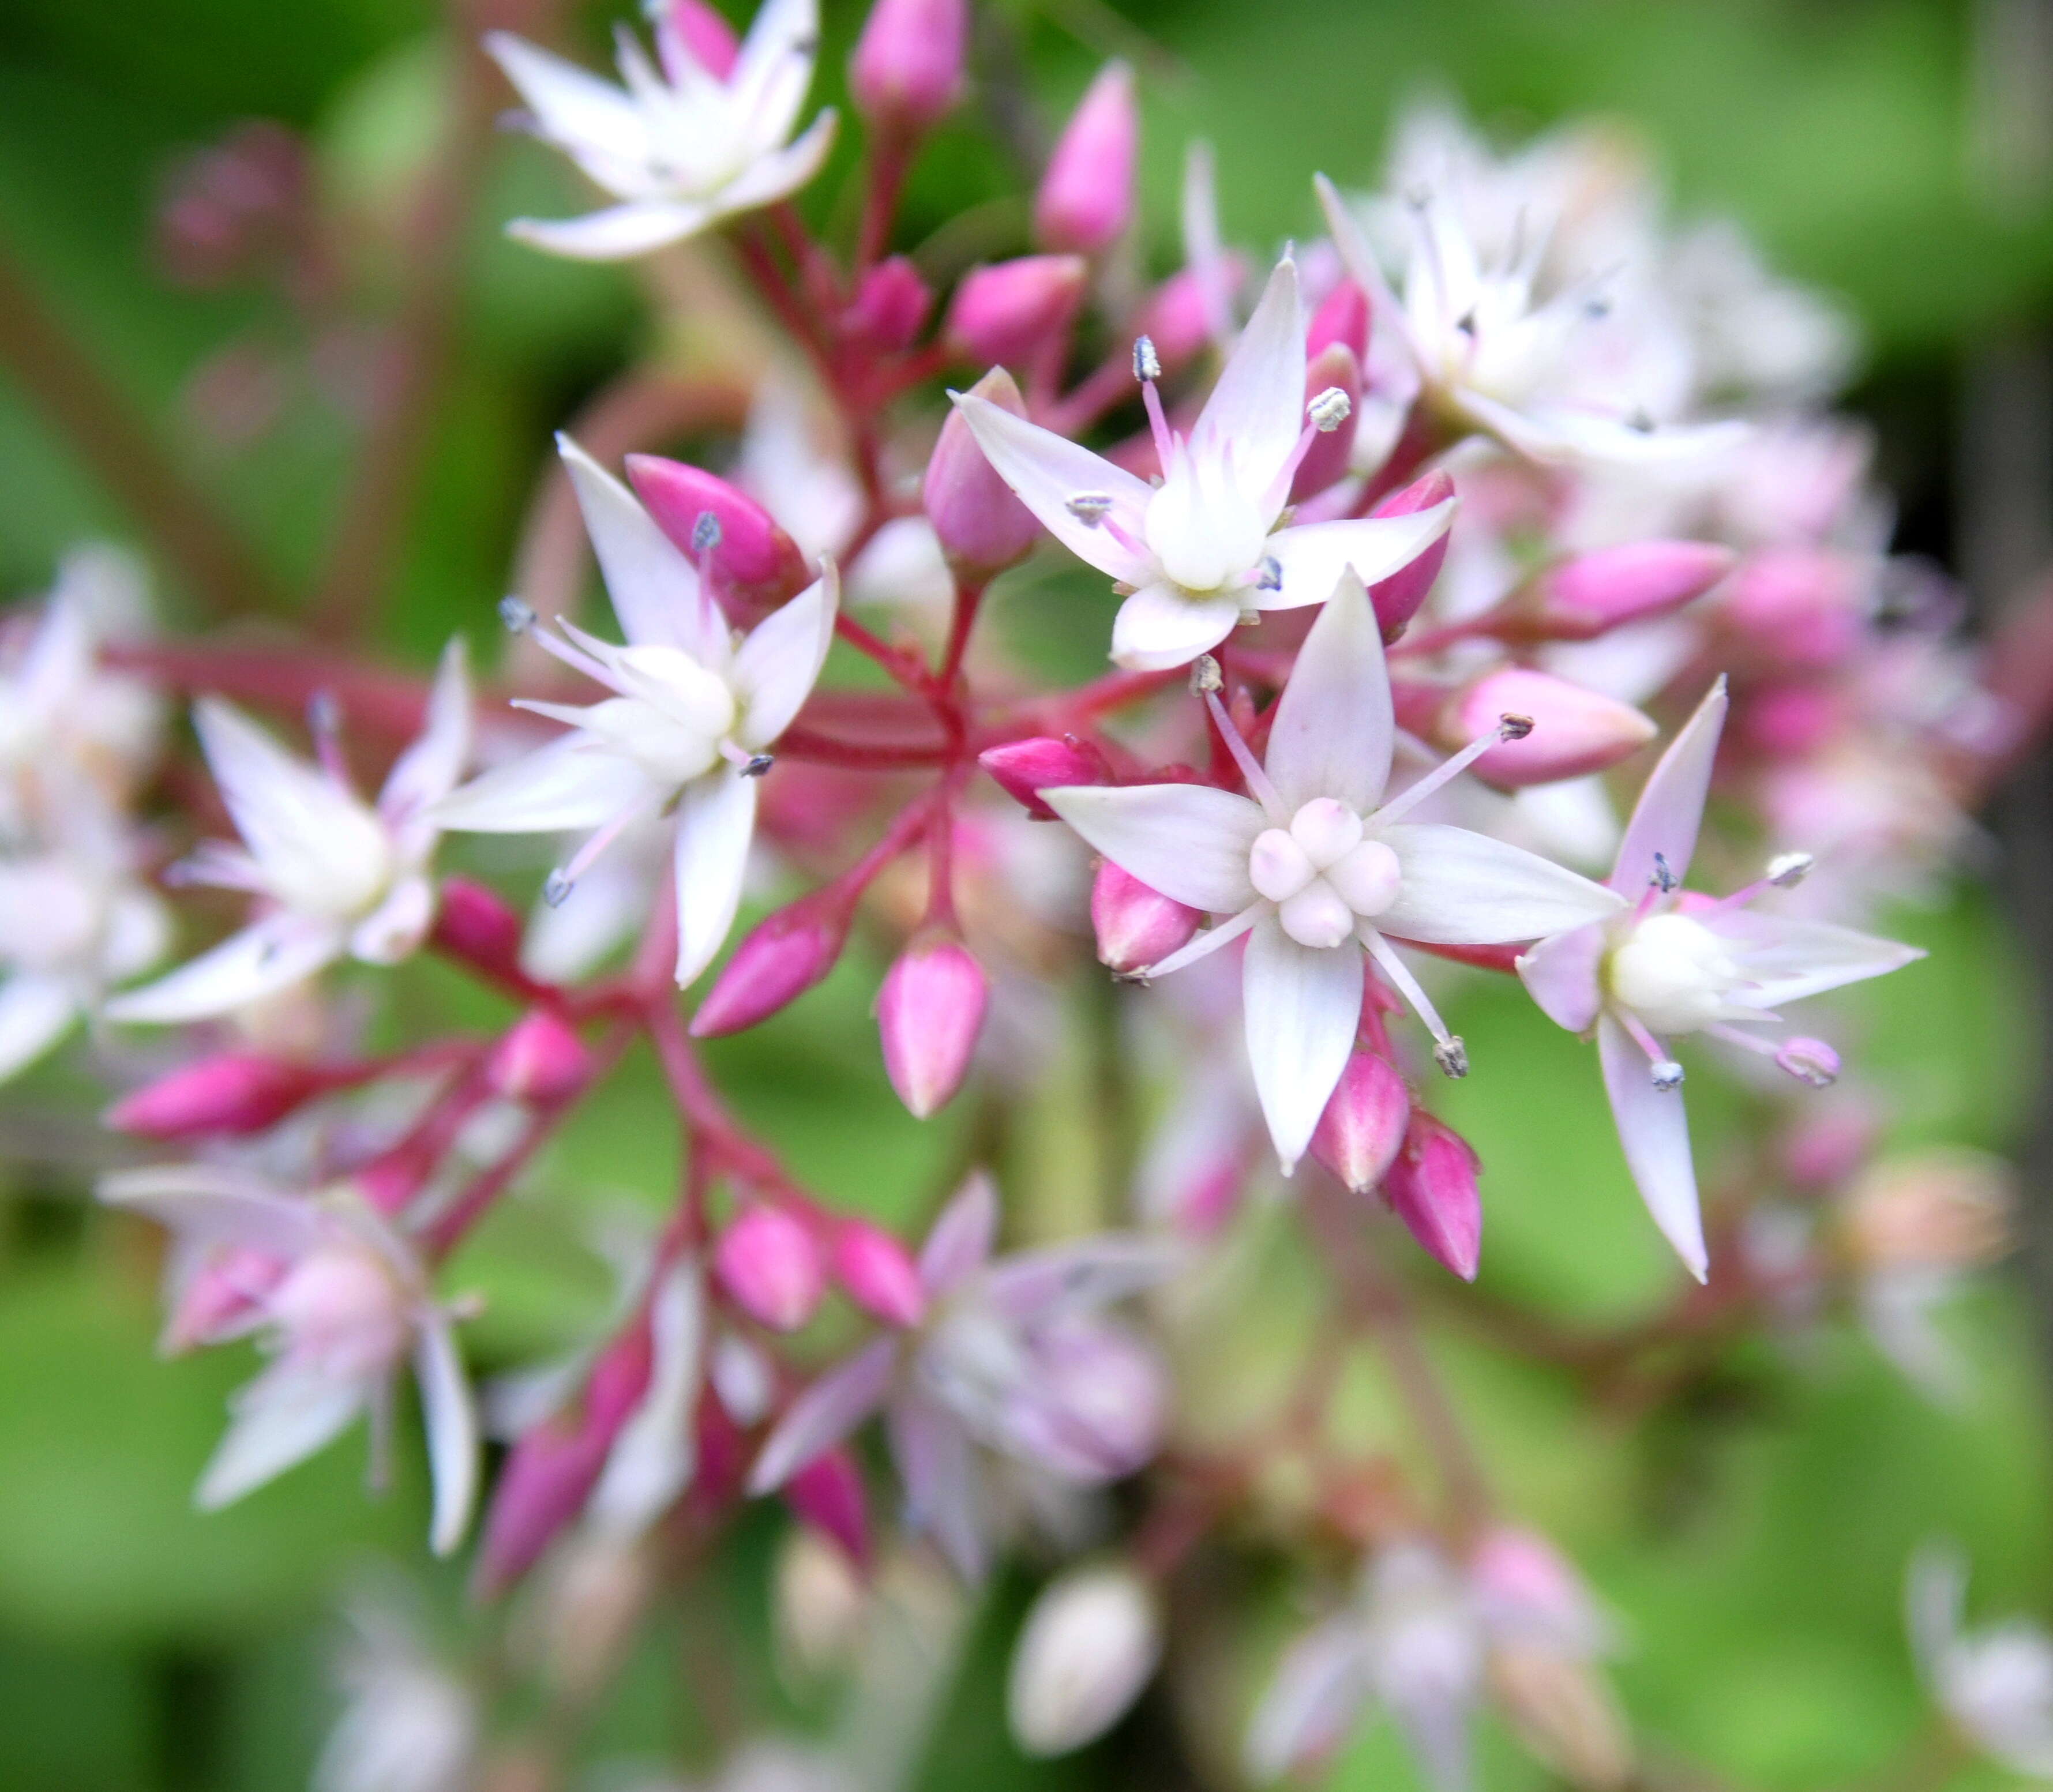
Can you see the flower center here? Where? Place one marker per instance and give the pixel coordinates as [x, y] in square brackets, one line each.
[342, 1311]
[1205, 534]
[341, 871]
[1322, 874]
[1674, 973]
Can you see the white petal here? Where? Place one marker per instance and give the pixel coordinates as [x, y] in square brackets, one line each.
[775, 66]
[1080, 1276]
[394, 929]
[1654, 1128]
[615, 234]
[1312, 1702]
[825, 1413]
[281, 1418]
[451, 1417]
[212, 1204]
[715, 819]
[777, 665]
[290, 813]
[1204, 253]
[1671, 803]
[34, 1012]
[1788, 959]
[278, 952]
[1462, 888]
[1046, 470]
[1188, 841]
[943, 1492]
[1333, 726]
[1314, 555]
[959, 1242]
[1256, 413]
[1161, 625]
[778, 172]
[1562, 974]
[572, 784]
[654, 588]
[1303, 1007]
[571, 105]
[1385, 312]
[652, 1458]
[427, 771]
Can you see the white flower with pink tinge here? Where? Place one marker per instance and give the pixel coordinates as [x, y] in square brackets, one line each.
[1316, 867]
[1994, 1684]
[682, 148]
[1013, 1355]
[335, 877]
[688, 723]
[341, 1300]
[1212, 542]
[1676, 962]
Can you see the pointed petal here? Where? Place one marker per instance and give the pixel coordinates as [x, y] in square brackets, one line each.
[1334, 724]
[210, 1204]
[716, 822]
[1303, 1007]
[1385, 312]
[776, 667]
[278, 952]
[1310, 1706]
[1671, 804]
[935, 1461]
[34, 1012]
[1788, 958]
[1314, 555]
[571, 105]
[1654, 1128]
[289, 812]
[825, 1413]
[1189, 841]
[960, 1240]
[615, 234]
[573, 783]
[451, 1417]
[1257, 410]
[281, 1418]
[1461, 889]
[1204, 253]
[778, 172]
[1161, 625]
[1562, 974]
[775, 66]
[654, 588]
[1045, 471]
[428, 771]
[394, 929]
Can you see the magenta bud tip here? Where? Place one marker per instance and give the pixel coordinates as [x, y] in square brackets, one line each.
[767, 1261]
[929, 1012]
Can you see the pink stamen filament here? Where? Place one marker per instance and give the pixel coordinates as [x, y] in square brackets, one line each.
[1208, 942]
[1444, 774]
[1259, 784]
[587, 854]
[576, 658]
[1399, 975]
[1166, 441]
[1750, 1042]
[1656, 1052]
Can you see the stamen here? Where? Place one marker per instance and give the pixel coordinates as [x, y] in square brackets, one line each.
[1508, 727]
[1667, 1074]
[1329, 409]
[1202, 947]
[582, 651]
[1147, 363]
[1205, 676]
[1787, 870]
[1251, 768]
[1089, 509]
[563, 878]
[1452, 1058]
[1810, 1060]
[1268, 573]
[758, 764]
[1663, 878]
[705, 533]
[324, 723]
[518, 618]
[749, 764]
[1401, 979]
[556, 889]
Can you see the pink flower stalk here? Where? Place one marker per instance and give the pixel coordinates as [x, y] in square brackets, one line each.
[1397, 598]
[1136, 926]
[890, 305]
[540, 1059]
[784, 956]
[1431, 1185]
[1343, 317]
[1359, 1133]
[1333, 394]
[929, 1012]
[761, 562]
[906, 74]
[878, 1273]
[828, 1494]
[1086, 197]
[1630, 582]
[982, 527]
[1575, 731]
[1022, 769]
[768, 1261]
[231, 1094]
[1011, 310]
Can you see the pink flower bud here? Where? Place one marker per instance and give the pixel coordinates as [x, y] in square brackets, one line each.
[1829, 1142]
[1396, 599]
[1364, 1122]
[540, 1059]
[827, 1494]
[879, 1273]
[1575, 731]
[929, 1012]
[232, 1092]
[1022, 769]
[1177, 319]
[1432, 1186]
[1086, 197]
[763, 563]
[478, 926]
[1010, 310]
[767, 1261]
[1600, 590]
[1342, 317]
[982, 527]
[907, 70]
[701, 31]
[1795, 608]
[1334, 368]
[890, 305]
[1136, 926]
[784, 956]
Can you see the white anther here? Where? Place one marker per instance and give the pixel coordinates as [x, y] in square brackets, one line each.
[519, 617]
[1329, 410]
[1147, 363]
[1452, 1057]
[1666, 1074]
[1786, 870]
[1205, 676]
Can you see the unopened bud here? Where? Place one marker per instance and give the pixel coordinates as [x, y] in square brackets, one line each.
[982, 527]
[1828, 1142]
[763, 563]
[827, 1494]
[1022, 769]
[929, 1012]
[1569, 729]
[1809, 1061]
[216, 1303]
[1010, 310]
[784, 956]
[699, 29]
[1363, 1125]
[1086, 196]
[1628, 583]
[1136, 926]
[1527, 1592]
[1090, 1643]
[1948, 1207]
[767, 1261]
[540, 1059]
[1177, 319]
[233, 1093]
[1564, 1710]
[890, 305]
[1432, 1186]
[878, 1273]
[1342, 317]
[820, 1600]
[478, 926]
[907, 71]
[1332, 383]
[1396, 599]
[1800, 609]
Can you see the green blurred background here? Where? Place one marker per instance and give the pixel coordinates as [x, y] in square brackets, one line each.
[1752, 1531]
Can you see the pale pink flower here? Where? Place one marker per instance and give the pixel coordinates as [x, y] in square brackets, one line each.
[1089, 1644]
[1994, 1684]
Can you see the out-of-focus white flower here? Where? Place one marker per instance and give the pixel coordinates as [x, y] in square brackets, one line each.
[342, 1300]
[1090, 1643]
[336, 876]
[1994, 1684]
[681, 148]
[410, 1725]
[689, 719]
